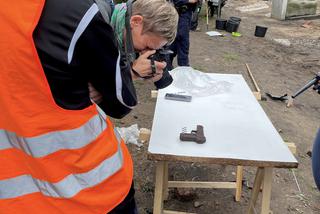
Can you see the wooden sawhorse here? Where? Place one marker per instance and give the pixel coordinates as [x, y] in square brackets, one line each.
[263, 179]
[162, 184]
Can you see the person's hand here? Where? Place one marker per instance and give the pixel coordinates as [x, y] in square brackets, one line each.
[94, 95]
[193, 1]
[158, 75]
[159, 70]
[142, 65]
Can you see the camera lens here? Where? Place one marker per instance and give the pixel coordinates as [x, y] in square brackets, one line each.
[165, 80]
[162, 55]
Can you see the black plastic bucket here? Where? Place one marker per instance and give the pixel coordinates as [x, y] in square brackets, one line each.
[232, 26]
[260, 31]
[221, 24]
[236, 19]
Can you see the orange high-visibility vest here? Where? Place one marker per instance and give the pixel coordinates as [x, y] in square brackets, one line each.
[52, 160]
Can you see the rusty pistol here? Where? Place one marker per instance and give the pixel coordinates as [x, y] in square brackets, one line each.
[195, 135]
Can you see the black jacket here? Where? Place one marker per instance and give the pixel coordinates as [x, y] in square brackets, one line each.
[77, 46]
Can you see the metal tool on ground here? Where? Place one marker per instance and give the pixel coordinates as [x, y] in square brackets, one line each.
[274, 97]
[195, 135]
[314, 82]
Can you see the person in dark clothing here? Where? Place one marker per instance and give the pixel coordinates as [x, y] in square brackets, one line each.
[316, 150]
[180, 46]
[316, 160]
[87, 57]
[195, 16]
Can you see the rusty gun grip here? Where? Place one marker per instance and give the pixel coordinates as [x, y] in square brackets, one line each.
[200, 134]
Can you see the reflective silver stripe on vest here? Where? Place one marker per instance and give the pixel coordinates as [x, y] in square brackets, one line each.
[119, 84]
[54, 141]
[67, 187]
[83, 24]
[119, 138]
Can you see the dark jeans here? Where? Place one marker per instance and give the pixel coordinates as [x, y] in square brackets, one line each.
[180, 46]
[128, 205]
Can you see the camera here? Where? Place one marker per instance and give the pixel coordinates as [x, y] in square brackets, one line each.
[161, 55]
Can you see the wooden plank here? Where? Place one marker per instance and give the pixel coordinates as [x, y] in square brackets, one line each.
[158, 192]
[256, 189]
[144, 134]
[266, 191]
[257, 94]
[175, 212]
[252, 78]
[292, 147]
[221, 161]
[196, 184]
[154, 93]
[239, 182]
[165, 181]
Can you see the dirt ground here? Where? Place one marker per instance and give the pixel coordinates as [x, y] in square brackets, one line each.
[278, 69]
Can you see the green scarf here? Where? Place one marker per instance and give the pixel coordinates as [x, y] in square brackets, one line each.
[118, 20]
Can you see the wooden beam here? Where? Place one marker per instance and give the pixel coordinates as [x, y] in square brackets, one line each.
[154, 93]
[239, 182]
[266, 191]
[144, 134]
[165, 181]
[256, 189]
[292, 147]
[252, 78]
[158, 192]
[257, 94]
[195, 184]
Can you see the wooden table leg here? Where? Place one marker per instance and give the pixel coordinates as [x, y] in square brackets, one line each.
[266, 191]
[158, 192]
[239, 182]
[165, 181]
[256, 189]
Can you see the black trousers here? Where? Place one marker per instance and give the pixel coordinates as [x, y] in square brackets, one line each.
[128, 205]
[180, 46]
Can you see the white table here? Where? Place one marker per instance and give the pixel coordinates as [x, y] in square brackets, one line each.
[237, 131]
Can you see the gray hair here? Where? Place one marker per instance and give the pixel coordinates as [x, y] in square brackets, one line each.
[159, 17]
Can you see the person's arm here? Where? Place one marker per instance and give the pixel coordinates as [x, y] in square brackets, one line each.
[99, 57]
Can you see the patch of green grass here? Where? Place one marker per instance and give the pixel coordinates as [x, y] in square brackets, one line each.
[229, 57]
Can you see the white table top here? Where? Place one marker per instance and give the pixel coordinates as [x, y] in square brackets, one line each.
[237, 130]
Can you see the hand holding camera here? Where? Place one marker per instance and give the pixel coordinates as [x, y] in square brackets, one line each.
[142, 66]
[152, 65]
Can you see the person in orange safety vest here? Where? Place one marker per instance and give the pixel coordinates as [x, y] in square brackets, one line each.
[59, 152]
